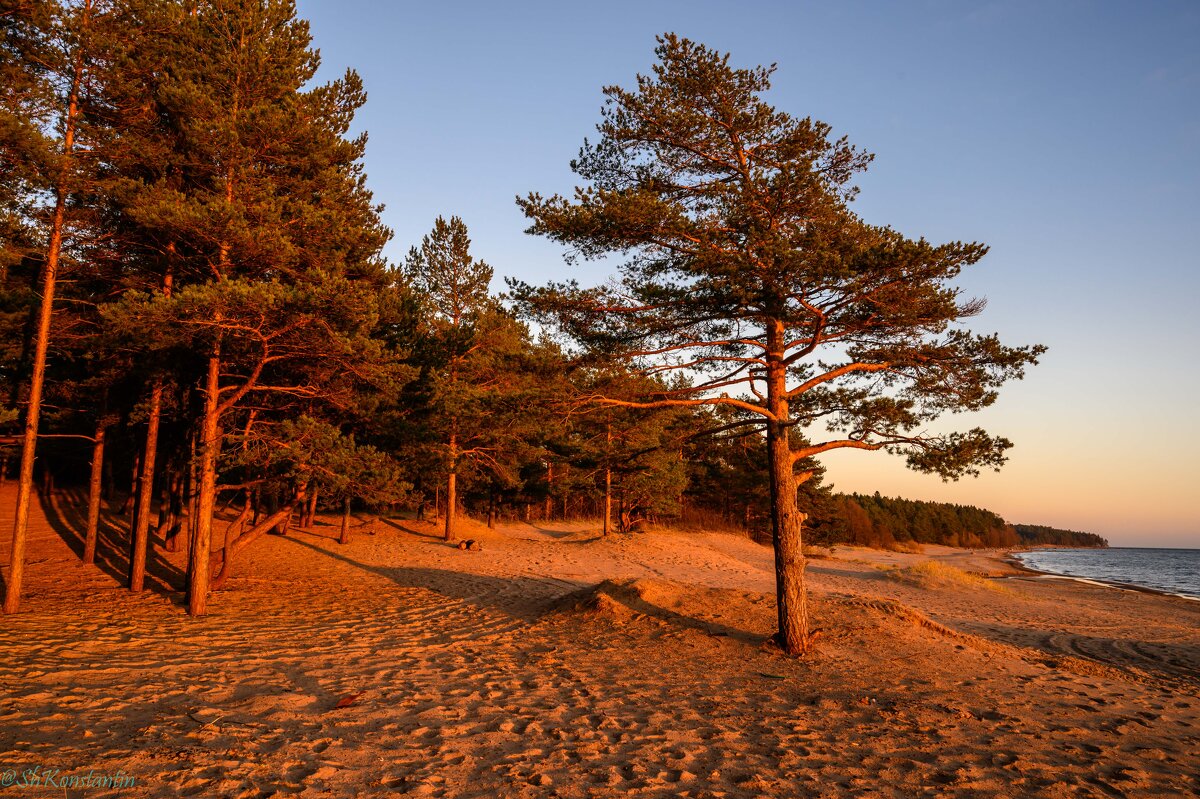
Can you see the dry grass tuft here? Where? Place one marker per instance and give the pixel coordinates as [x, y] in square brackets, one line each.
[909, 547]
[935, 574]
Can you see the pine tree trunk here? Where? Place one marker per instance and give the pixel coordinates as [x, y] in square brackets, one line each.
[607, 501]
[164, 503]
[451, 500]
[285, 524]
[549, 491]
[310, 517]
[226, 556]
[344, 536]
[491, 519]
[94, 486]
[210, 443]
[218, 582]
[786, 519]
[16, 567]
[141, 529]
[171, 525]
[127, 505]
[191, 494]
[452, 488]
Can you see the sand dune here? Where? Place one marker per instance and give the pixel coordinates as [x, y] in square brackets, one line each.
[556, 663]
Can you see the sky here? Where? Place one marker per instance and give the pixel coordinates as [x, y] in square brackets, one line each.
[1065, 135]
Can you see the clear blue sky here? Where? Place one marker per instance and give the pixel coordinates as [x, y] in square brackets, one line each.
[1066, 135]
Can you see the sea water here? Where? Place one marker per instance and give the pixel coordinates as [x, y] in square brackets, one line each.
[1175, 571]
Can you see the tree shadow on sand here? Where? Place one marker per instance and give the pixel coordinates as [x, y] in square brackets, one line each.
[66, 512]
[411, 529]
[528, 598]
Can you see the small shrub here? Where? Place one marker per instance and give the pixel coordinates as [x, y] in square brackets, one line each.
[909, 547]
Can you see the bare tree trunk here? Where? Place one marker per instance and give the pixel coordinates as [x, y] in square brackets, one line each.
[607, 501]
[549, 491]
[218, 581]
[93, 512]
[227, 554]
[191, 496]
[786, 519]
[188, 497]
[285, 523]
[16, 563]
[172, 521]
[491, 522]
[344, 536]
[164, 502]
[451, 500]
[127, 505]
[452, 488]
[210, 443]
[141, 529]
[310, 517]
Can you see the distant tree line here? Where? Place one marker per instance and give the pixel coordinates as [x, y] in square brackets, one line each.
[1034, 534]
[876, 521]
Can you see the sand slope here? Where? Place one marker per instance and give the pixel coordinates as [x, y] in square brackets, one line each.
[554, 663]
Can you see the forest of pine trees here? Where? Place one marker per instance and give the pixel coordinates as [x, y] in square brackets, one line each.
[201, 335]
[228, 350]
[877, 521]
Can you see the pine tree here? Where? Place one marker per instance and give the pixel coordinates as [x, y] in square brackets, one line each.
[745, 264]
[472, 353]
[52, 59]
[257, 209]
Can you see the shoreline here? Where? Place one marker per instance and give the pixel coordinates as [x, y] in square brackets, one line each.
[1012, 560]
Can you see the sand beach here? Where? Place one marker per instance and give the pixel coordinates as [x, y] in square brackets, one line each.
[555, 663]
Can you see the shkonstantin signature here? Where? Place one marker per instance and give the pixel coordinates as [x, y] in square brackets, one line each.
[49, 777]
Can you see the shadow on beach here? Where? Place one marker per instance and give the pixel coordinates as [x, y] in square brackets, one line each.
[66, 513]
[527, 598]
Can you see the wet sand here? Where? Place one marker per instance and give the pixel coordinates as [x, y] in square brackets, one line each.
[557, 663]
